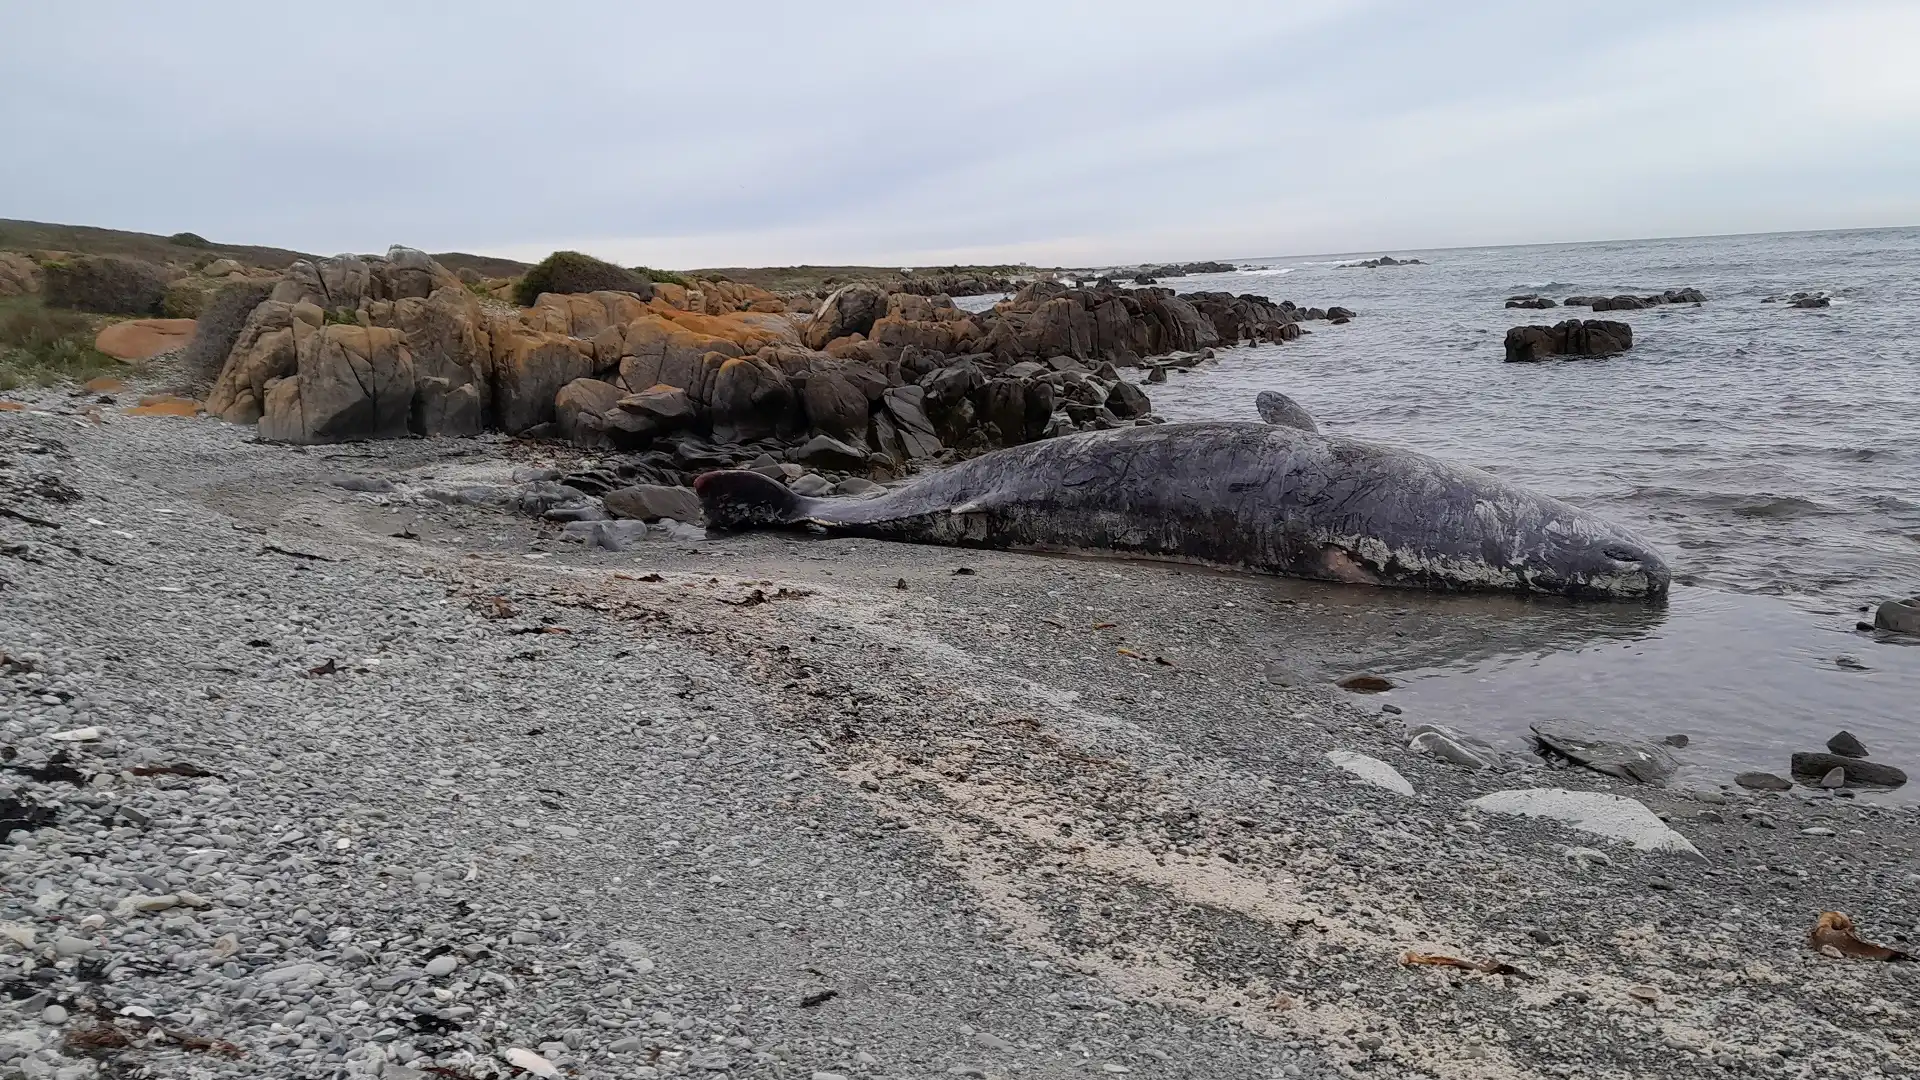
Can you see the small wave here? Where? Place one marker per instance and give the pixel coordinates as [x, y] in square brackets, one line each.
[1556, 286]
[1268, 271]
[1775, 507]
[1765, 506]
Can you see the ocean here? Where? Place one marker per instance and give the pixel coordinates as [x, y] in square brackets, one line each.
[1771, 453]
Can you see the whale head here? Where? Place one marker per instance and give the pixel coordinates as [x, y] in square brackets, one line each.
[1592, 557]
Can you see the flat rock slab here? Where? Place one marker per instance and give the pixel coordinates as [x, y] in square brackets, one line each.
[1371, 771]
[144, 339]
[1613, 816]
[1605, 752]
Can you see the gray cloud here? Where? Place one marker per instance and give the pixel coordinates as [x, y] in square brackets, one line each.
[1061, 132]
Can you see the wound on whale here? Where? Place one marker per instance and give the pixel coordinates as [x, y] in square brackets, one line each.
[1246, 496]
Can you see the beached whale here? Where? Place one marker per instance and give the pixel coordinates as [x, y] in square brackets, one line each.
[1260, 497]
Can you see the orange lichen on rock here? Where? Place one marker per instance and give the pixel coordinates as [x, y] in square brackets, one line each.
[165, 405]
[104, 384]
[144, 339]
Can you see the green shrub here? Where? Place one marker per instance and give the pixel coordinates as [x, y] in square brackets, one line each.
[43, 346]
[342, 316]
[183, 300]
[221, 321]
[572, 272]
[667, 276]
[106, 284]
[187, 239]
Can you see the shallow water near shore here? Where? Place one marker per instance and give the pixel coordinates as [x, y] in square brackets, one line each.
[1772, 453]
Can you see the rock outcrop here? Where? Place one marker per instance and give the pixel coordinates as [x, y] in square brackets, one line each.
[851, 309]
[1629, 302]
[711, 374]
[350, 282]
[19, 275]
[1575, 337]
[349, 382]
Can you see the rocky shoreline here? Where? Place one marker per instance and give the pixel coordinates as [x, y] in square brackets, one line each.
[411, 787]
[868, 383]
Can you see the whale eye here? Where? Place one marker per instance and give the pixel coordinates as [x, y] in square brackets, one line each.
[1619, 554]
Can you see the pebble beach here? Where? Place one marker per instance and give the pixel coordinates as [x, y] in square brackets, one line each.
[311, 773]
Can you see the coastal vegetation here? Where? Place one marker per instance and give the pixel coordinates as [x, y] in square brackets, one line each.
[41, 346]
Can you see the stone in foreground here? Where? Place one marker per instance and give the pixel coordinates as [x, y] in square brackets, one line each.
[1371, 771]
[1613, 816]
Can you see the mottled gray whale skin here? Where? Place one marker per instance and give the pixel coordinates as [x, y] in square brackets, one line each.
[1277, 408]
[1250, 496]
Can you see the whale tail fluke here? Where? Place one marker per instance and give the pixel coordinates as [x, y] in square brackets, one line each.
[736, 500]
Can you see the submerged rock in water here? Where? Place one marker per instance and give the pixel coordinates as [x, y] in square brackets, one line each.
[1898, 616]
[1603, 752]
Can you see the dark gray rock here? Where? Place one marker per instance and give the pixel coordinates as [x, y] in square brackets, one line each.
[1574, 337]
[1846, 744]
[651, 502]
[607, 535]
[1858, 773]
[1899, 616]
[906, 404]
[812, 485]
[1127, 401]
[543, 495]
[827, 452]
[1763, 781]
[1604, 752]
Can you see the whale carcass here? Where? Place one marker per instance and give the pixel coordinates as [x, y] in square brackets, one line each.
[1259, 497]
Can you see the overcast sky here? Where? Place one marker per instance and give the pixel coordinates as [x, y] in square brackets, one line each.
[911, 133]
